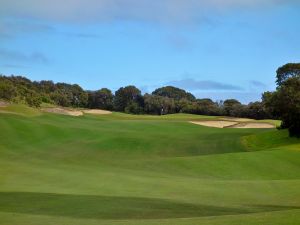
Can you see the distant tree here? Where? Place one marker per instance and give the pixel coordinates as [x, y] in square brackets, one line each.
[287, 71]
[157, 105]
[125, 96]
[7, 90]
[232, 107]
[21, 82]
[284, 103]
[173, 92]
[134, 108]
[202, 107]
[21, 89]
[256, 110]
[101, 99]
[69, 95]
[61, 98]
[46, 86]
[269, 102]
[79, 96]
[182, 104]
[33, 99]
[208, 107]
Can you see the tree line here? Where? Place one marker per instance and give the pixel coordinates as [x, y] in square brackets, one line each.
[284, 103]
[129, 99]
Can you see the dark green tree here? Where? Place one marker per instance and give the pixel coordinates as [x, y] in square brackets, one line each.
[134, 108]
[233, 107]
[208, 107]
[7, 90]
[157, 105]
[101, 99]
[79, 96]
[256, 110]
[202, 107]
[125, 96]
[174, 92]
[287, 71]
[33, 99]
[284, 104]
[69, 95]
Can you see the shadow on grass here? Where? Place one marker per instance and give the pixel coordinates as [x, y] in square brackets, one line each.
[105, 207]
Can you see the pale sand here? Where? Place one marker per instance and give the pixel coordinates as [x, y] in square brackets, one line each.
[253, 125]
[76, 112]
[232, 124]
[236, 119]
[214, 123]
[97, 111]
[63, 111]
[3, 104]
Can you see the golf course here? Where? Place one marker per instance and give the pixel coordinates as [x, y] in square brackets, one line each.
[145, 170]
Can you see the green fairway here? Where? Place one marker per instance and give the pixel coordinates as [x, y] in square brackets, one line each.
[126, 170]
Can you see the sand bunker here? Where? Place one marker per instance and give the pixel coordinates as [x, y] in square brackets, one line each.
[215, 123]
[74, 112]
[232, 124]
[235, 119]
[63, 111]
[253, 125]
[97, 112]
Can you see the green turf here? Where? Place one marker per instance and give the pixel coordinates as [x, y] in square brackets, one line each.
[125, 169]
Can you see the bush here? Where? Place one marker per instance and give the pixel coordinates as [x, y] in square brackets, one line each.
[134, 108]
[7, 90]
[33, 99]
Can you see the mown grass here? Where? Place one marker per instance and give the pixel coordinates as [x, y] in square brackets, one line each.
[126, 169]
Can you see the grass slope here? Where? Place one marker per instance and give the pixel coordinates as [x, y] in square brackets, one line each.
[124, 169]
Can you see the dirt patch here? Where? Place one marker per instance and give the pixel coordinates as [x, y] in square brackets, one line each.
[97, 112]
[253, 125]
[232, 124]
[214, 123]
[63, 111]
[3, 104]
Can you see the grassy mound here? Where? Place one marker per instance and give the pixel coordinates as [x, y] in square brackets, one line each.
[125, 169]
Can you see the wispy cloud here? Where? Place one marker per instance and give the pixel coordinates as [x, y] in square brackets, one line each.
[14, 66]
[83, 35]
[103, 10]
[195, 85]
[257, 84]
[10, 29]
[179, 42]
[15, 28]
[10, 55]
[244, 97]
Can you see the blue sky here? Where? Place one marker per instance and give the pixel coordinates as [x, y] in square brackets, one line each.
[217, 49]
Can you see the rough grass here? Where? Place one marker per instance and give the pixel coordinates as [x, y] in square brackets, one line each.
[125, 169]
